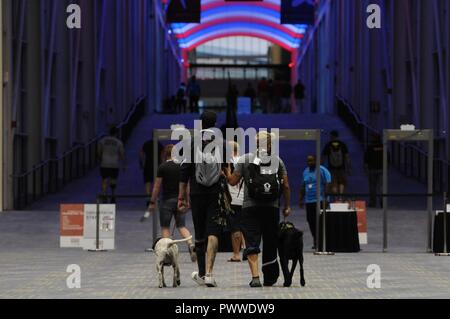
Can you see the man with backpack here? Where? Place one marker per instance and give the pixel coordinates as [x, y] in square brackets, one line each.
[338, 158]
[265, 177]
[204, 180]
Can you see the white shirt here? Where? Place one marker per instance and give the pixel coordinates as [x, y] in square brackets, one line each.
[237, 192]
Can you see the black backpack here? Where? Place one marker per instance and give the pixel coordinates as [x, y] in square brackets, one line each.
[263, 186]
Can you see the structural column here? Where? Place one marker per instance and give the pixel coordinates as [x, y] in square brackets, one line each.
[1, 113]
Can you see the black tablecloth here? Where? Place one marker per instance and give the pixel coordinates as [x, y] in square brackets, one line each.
[342, 232]
[438, 240]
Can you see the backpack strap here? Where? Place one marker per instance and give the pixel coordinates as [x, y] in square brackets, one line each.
[240, 187]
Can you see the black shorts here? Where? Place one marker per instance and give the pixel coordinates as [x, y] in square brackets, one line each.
[338, 176]
[236, 219]
[109, 173]
[168, 209]
[204, 210]
[260, 223]
[148, 175]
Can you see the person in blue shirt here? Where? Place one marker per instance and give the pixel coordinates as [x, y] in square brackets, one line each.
[308, 196]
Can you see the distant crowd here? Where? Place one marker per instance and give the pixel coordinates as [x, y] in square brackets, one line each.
[269, 95]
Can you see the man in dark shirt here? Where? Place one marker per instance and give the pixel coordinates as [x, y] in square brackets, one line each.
[146, 164]
[338, 158]
[204, 205]
[168, 179]
[373, 166]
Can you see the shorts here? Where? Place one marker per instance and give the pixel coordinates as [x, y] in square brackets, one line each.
[236, 219]
[204, 210]
[168, 209]
[260, 222]
[338, 176]
[148, 175]
[109, 173]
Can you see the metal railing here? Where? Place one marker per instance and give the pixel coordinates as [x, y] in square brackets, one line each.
[408, 158]
[50, 176]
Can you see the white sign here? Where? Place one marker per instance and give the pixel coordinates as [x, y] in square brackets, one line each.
[107, 226]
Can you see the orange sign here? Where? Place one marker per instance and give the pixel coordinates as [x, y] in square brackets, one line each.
[362, 221]
[71, 225]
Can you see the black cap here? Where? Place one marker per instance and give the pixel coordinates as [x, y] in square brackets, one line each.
[208, 119]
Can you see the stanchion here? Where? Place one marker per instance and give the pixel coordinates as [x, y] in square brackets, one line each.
[445, 253]
[97, 229]
[324, 251]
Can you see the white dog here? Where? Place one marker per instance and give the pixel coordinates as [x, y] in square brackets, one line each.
[166, 251]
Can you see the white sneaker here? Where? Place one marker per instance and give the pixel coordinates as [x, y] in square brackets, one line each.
[145, 217]
[199, 280]
[210, 282]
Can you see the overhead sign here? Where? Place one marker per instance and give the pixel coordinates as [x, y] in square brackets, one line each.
[298, 11]
[184, 11]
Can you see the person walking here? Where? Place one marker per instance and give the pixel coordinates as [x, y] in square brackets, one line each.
[232, 101]
[167, 180]
[204, 181]
[237, 199]
[146, 164]
[194, 92]
[265, 177]
[339, 163]
[112, 155]
[180, 102]
[263, 94]
[251, 94]
[308, 189]
[373, 167]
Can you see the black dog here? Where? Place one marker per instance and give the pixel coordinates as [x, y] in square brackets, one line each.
[290, 247]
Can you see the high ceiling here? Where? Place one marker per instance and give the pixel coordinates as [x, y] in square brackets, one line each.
[222, 19]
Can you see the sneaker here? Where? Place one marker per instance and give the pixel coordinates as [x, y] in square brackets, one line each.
[255, 283]
[145, 217]
[192, 253]
[210, 282]
[148, 250]
[199, 280]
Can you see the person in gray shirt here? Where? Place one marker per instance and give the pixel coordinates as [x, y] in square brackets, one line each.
[112, 154]
[260, 218]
